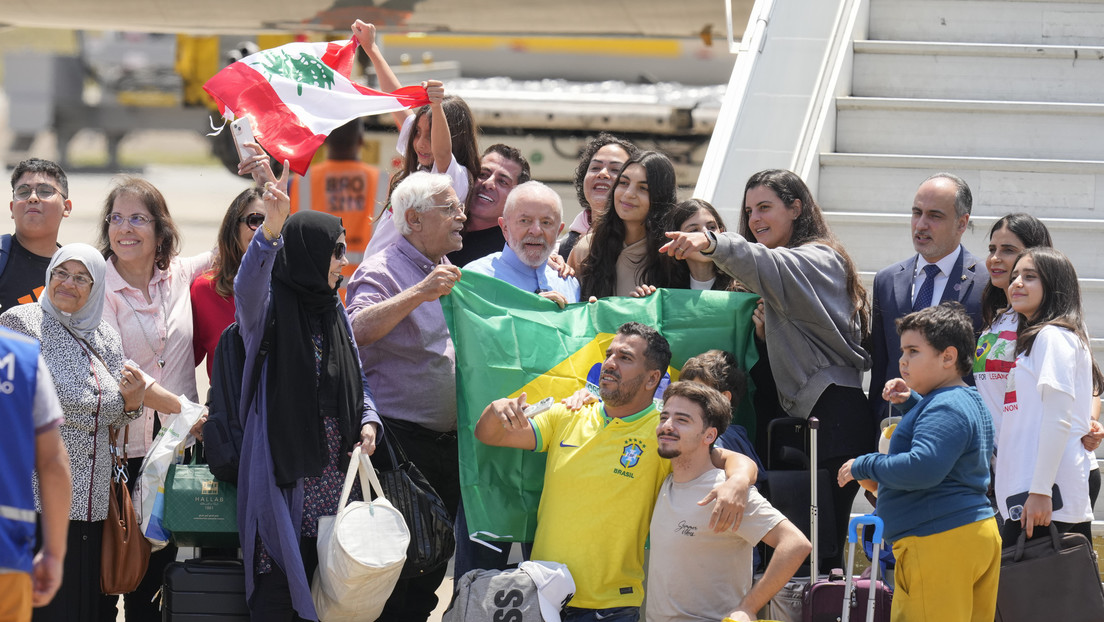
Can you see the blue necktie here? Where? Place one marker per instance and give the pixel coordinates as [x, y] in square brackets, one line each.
[927, 288]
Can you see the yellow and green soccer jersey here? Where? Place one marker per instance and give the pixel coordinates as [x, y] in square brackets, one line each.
[600, 486]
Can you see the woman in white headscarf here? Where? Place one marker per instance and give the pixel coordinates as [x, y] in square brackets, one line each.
[98, 389]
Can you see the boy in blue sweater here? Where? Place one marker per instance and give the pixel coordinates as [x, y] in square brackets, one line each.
[932, 484]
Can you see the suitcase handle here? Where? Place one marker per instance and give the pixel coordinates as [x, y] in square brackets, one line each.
[866, 519]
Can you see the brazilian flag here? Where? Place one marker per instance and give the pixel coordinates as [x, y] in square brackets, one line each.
[510, 341]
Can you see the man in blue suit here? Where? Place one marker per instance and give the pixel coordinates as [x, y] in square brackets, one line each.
[941, 270]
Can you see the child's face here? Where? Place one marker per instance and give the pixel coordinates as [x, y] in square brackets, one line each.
[1025, 291]
[923, 367]
[423, 147]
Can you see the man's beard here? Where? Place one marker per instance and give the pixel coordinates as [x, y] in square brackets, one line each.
[625, 392]
[529, 258]
[674, 452]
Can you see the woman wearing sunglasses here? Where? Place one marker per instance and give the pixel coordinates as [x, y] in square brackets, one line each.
[310, 408]
[98, 389]
[148, 302]
[213, 291]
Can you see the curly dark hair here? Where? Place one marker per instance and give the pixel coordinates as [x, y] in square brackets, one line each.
[592, 147]
[598, 272]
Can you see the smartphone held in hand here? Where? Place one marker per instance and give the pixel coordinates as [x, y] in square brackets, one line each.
[242, 131]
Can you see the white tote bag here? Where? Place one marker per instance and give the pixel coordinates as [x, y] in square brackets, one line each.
[361, 551]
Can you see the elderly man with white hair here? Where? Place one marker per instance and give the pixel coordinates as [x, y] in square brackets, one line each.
[407, 353]
[531, 220]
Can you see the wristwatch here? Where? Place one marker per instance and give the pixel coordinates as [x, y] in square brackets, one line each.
[134, 413]
[712, 243]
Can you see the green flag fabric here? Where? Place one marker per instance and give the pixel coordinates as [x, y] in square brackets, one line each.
[510, 341]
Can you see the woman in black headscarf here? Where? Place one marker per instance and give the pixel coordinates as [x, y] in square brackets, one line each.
[311, 406]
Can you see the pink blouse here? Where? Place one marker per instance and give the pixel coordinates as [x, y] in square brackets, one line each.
[157, 335]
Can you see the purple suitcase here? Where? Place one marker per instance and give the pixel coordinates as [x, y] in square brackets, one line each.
[824, 602]
[824, 598]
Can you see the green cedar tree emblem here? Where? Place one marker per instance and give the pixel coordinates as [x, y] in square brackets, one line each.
[304, 69]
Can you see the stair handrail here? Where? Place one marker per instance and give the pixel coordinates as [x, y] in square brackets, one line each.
[818, 131]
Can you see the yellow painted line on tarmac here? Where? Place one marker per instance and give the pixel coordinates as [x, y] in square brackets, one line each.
[616, 46]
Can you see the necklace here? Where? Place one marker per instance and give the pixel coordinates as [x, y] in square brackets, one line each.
[141, 325]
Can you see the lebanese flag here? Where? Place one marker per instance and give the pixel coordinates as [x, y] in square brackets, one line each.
[296, 94]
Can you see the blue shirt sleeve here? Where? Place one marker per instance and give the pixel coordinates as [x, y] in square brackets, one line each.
[939, 436]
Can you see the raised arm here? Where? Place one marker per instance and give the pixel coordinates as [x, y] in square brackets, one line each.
[365, 34]
[251, 284]
[440, 138]
[504, 424]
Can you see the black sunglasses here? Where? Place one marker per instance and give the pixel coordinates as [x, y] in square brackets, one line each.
[253, 221]
[339, 251]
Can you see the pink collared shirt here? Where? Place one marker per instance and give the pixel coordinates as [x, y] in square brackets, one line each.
[142, 326]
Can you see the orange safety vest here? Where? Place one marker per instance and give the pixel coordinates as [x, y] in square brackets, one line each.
[350, 190]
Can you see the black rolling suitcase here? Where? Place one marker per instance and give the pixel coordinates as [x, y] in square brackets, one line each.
[204, 590]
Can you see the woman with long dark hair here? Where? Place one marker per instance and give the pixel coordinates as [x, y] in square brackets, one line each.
[816, 314]
[602, 159]
[621, 253]
[212, 292]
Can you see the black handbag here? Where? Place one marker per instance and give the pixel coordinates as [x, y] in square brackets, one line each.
[1053, 578]
[431, 537]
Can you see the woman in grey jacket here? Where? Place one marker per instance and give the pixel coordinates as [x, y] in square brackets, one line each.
[816, 314]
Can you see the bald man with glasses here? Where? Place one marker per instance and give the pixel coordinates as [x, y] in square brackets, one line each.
[40, 200]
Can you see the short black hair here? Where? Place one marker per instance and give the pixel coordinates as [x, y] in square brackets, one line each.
[943, 326]
[344, 140]
[38, 165]
[658, 352]
[514, 155]
[717, 369]
[715, 410]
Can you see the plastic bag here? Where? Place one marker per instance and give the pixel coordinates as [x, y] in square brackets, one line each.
[167, 449]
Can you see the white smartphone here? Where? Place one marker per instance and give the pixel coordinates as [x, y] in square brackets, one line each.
[533, 410]
[242, 131]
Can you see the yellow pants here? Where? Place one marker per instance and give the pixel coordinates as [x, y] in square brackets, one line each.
[15, 597]
[948, 577]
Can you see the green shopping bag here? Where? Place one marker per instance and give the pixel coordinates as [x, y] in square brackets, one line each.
[200, 510]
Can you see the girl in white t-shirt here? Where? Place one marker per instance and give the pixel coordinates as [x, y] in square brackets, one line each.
[438, 138]
[996, 347]
[1042, 469]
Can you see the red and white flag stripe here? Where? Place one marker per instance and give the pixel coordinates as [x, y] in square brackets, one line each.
[296, 94]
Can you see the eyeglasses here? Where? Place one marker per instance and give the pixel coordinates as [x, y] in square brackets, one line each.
[43, 191]
[253, 221]
[135, 220]
[452, 210]
[339, 251]
[79, 280]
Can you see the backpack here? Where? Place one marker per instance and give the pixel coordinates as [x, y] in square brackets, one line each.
[5, 251]
[222, 434]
